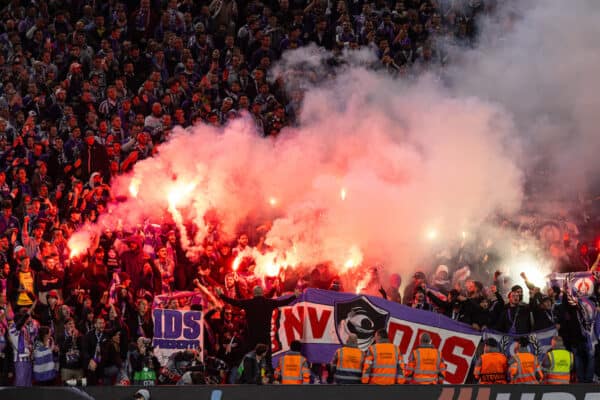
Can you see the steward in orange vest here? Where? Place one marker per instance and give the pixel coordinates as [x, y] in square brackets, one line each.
[383, 363]
[492, 366]
[558, 363]
[347, 362]
[425, 364]
[292, 368]
[524, 367]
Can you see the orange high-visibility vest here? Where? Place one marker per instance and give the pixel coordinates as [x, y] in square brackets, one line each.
[426, 366]
[491, 368]
[383, 365]
[292, 369]
[523, 369]
[348, 366]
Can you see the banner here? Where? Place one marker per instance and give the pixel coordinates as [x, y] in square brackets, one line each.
[580, 287]
[539, 342]
[323, 319]
[190, 297]
[176, 330]
[580, 284]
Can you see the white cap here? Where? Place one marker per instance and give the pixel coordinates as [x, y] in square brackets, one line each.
[143, 393]
[441, 268]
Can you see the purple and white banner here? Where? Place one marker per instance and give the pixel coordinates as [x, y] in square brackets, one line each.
[539, 342]
[323, 319]
[176, 330]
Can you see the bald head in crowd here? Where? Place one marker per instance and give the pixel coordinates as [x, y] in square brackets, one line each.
[352, 340]
[258, 291]
[425, 339]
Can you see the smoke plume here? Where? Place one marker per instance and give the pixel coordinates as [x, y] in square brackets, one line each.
[380, 167]
[375, 165]
[539, 61]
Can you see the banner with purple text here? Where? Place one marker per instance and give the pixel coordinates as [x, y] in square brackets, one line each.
[176, 330]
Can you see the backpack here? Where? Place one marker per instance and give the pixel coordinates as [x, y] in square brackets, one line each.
[145, 377]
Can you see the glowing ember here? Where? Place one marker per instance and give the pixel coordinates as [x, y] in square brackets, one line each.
[355, 258]
[78, 243]
[75, 252]
[536, 269]
[343, 194]
[268, 264]
[134, 187]
[236, 262]
[179, 193]
[271, 269]
[362, 284]
[431, 234]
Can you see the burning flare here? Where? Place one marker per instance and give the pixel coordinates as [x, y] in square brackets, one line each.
[270, 268]
[237, 262]
[355, 258]
[78, 243]
[134, 187]
[431, 234]
[179, 193]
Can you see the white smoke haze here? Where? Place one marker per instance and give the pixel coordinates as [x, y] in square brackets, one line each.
[544, 71]
[377, 165]
[408, 159]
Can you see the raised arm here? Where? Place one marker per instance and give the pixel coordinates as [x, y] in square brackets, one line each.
[229, 300]
[283, 301]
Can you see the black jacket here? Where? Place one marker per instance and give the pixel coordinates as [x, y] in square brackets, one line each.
[448, 308]
[542, 319]
[570, 326]
[88, 351]
[95, 159]
[138, 325]
[259, 311]
[71, 352]
[251, 373]
[518, 317]
[137, 362]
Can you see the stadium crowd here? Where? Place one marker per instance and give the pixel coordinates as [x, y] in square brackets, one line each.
[88, 88]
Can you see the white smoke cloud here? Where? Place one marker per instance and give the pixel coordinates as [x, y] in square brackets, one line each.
[409, 158]
[543, 71]
[414, 160]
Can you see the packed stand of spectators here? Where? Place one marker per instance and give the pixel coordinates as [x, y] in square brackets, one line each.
[499, 305]
[88, 88]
